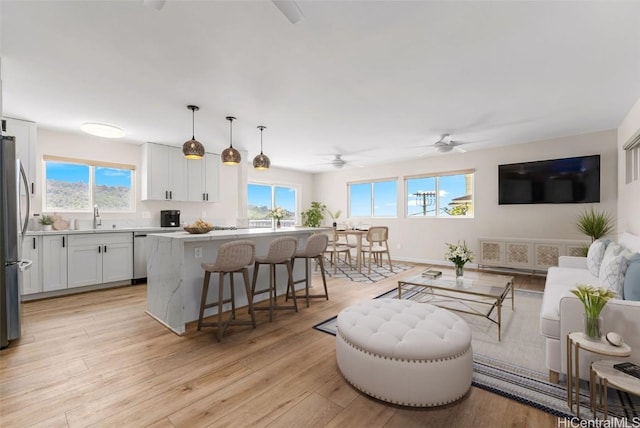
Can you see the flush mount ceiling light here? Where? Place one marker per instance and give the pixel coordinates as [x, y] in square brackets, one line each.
[261, 161]
[193, 149]
[102, 130]
[230, 156]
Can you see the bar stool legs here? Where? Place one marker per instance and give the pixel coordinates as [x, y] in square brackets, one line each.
[272, 289]
[221, 323]
[320, 261]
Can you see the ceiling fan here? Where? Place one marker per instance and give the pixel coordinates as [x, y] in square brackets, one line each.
[338, 161]
[445, 144]
[289, 8]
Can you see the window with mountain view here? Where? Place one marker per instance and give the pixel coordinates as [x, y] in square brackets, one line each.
[78, 186]
[442, 195]
[263, 198]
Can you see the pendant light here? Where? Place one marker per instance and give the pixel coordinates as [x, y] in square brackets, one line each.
[193, 149]
[231, 156]
[261, 161]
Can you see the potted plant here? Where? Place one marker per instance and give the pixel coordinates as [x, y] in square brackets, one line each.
[277, 214]
[313, 216]
[594, 224]
[334, 216]
[459, 255]
[46, 221]
[593, 300]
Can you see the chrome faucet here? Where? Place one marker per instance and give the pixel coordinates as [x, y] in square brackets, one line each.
[97, 221]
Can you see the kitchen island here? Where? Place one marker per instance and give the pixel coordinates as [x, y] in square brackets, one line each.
[175, 275]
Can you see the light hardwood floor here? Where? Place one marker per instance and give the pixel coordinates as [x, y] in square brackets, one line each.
[97, 359]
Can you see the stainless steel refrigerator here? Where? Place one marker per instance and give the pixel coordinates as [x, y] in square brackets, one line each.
[14, 218]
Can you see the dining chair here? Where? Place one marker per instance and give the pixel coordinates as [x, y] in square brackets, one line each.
[334, 249]
[377, 244]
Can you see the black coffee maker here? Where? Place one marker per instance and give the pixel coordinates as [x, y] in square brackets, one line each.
[170, 218]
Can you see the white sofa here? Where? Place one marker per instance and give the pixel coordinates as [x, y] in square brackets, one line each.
[562, 312]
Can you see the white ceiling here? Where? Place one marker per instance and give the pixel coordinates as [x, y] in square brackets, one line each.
[376, 81]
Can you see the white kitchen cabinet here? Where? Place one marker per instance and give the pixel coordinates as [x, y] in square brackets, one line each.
[164, 173]
[25, 133]
[526, 254]
[54, 262]
[31, 277]
[100, 258]
[203, 178]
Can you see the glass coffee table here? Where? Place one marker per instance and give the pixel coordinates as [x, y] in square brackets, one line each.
[476, 295]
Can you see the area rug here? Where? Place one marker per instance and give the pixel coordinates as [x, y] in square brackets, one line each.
[514, 367]
[349, 273]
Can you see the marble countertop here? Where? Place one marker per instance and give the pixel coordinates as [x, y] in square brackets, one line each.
[237, 233]
[148, 229]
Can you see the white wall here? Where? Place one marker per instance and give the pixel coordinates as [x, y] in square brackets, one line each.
[229, 211]
[628, 194]
[423, 239]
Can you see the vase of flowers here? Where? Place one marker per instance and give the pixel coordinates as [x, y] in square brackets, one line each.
[459, 255]
[278, 214]
[593, 299]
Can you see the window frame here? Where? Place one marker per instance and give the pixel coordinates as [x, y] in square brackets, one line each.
[438, 210]
[92, 165]
[372, 201]
[274, 185]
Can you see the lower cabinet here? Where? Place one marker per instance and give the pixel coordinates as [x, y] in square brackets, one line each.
[54, 262]
[31, 277]
[100, 258]
[528, 254]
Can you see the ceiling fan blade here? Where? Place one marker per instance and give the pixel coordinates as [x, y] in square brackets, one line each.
[460, 150]
[156, 4]
[290, 9]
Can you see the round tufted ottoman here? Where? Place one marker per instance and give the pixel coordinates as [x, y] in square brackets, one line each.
[404, 352]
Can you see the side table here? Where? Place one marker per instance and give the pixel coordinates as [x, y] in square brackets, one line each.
[577, 341]
[603, 374]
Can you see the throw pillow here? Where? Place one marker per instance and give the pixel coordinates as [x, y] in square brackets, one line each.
[595, 255]
[631, 287]
[612, 273]
[612, 250]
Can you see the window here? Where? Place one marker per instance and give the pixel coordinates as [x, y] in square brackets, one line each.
[373, 199]
[77, 185]
[262, 198]
[442, 195]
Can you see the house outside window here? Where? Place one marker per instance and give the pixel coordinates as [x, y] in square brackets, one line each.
[440, 195]
[262, 198]
[373, 198]
[77, 185]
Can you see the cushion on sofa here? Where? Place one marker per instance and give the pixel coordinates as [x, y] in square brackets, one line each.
[558, 284]
[612, 273]
[595, 255]
[631, 287]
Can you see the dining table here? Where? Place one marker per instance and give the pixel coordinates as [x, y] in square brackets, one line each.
[358, 234]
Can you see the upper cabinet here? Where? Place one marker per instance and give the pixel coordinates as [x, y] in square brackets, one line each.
[167, 175]
[203, 178]
[26, 135]
[164, 173]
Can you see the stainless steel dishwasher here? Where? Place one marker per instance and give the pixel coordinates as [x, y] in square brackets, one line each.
[139, 257]
[140, 253]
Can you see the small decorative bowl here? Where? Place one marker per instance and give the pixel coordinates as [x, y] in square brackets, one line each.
[198, 230]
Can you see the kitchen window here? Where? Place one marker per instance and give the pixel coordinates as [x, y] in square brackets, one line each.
[373, 199]
[73, 185]
[440, 195]
[262, 198]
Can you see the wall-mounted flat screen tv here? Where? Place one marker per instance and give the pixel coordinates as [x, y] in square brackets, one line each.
[555, 181]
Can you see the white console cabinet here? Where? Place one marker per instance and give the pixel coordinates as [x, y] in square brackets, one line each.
[526, 254]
